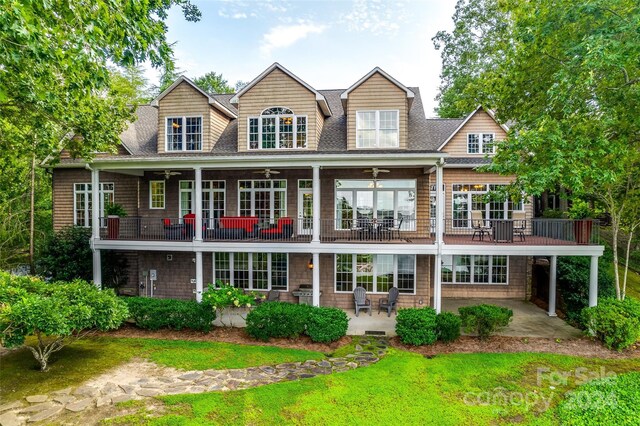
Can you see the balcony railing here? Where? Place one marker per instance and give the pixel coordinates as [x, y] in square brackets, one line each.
[377, 230]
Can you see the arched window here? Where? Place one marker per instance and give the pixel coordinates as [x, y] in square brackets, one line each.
[277, 128]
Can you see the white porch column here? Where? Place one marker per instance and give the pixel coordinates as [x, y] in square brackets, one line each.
[439, 225]
[315, 237]
[316, 279]
[553, 268]
[97, 269]
[199, 277]
[96, 203]
[198, 212]
[437, 284]
[593, 282]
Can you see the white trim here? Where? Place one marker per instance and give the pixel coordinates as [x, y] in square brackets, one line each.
[481, 143]
[324, 105]
[345, 94]
[271, 191]
[486, 205]
[354, 257]
[88, 194]
[455, 132]
[184, 133]
[191, 191]
[277, 130]
[377, 128]
[164, 191]
[250, 269]
[472, 271]
[210, 99]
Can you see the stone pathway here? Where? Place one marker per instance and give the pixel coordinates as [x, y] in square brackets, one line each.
[141, 380]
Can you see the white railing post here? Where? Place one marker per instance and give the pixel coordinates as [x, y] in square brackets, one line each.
[95, 226]
[198, 208]
[593, 281]
[315, 286]
[437, 270]
[199, 277]
[553, 268]
[316, 204]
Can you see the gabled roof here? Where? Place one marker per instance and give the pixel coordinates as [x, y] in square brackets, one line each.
[467, 118]
[410, 95]
[324, 105]
[213, 102]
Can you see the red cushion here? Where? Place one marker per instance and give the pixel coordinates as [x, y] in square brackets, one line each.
[243, 222]
[166, 222]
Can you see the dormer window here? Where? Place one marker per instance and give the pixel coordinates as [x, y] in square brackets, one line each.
[184, 134]
[480, 143]
[377, 129]
[277, 128]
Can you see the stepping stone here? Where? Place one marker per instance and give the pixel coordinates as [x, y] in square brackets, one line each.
[110, 388]
[212, 373]
[164, 379]
[215, 387]
[336, 359]
[122, 398]
[65, 391]
[358, 348]
[38, 407]
[173, 391]
[11, 406]
[268, 370]
[45, 414]
[306, 375]
[324, 364]
[151, 386]
[87, 391]
[288, 365]
[102, 401]
[10, 419]
[149, 392]
[197, 389]
[79, 405]
[190, 376]
[128, 389]
[352, 365]
[37, 398]
[64, 399]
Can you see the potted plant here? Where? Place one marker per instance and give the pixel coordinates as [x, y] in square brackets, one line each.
[581, 214]
[114, 212]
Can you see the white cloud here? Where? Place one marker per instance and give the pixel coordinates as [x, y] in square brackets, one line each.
[375, 16]
[286, 35]
[239, 15]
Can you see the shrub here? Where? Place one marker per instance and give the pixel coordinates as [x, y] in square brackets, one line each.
[448, 326]
[277, 319]
[484, 319]
[327, 324]
[154, 314]
[66, 255]
[416, 326]
[615, 322]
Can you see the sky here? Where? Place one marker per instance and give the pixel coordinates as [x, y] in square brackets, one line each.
[328, 44]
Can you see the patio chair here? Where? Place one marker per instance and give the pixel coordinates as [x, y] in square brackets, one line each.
[519, 224]
[272, 296]
[480, 228]
[390, 227]
[360, 228]
[389, 304]
[360, 300]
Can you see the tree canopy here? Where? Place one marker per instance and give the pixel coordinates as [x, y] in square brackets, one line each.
[213, 83]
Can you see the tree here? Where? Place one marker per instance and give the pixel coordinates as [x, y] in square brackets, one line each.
[66, 255]
[213, 83]
[566, 76]
[240, 85]
[56, 314]
[130, 83]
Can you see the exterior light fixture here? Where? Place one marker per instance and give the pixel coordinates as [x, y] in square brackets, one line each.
[310, 264]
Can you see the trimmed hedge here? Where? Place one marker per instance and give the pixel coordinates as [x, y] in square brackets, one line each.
[615, 322]
[448, 326]
[283, 319]
[484, 319]
[416, 326]
[154, 314]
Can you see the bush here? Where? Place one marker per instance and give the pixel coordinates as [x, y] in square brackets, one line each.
[484, 319]
[416, 326]
[66, 255]
[277, 319]
[615, 322]
[154, 314]
[327, 324]
[448, 326]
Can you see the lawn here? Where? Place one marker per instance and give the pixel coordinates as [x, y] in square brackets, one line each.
[90, 357]
[403, 388]
[633, 282]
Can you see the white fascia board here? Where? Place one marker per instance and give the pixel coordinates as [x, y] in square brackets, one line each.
[488, 111]
[344, 95]
[518, 250]
[211, 100]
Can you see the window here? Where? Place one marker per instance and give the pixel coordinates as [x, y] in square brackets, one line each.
[469, 197]
[277, 128]
[480, 143]
[475, 269]
[82, 202]
[184, 134]
[380, 199]
[377, 129]
[156, 194]
[264, 198]
[213, 199]
[377, 273]
[252, 271]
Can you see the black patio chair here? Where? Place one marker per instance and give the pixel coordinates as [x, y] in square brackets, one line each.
[360, 300]
[389, 304]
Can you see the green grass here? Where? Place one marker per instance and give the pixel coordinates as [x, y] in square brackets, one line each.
[90, 357]
[633, 282]
[403, 388]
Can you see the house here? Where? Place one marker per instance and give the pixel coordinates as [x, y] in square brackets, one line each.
[282, 186]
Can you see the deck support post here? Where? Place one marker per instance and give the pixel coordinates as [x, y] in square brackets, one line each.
[315, 237]
[553, 268]
[96, 206]
[198, 207]
[199, 277]
[316, 280]
[593, 282]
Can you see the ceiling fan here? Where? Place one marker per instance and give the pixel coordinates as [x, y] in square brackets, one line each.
[168, 173]
[267, 172]
[374, 171]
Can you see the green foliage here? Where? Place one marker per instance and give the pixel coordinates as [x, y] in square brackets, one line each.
[154, 314]
[615, 322]
[66, 255]
[580, 209]
[416, 326]
[448, 326]
[327, 324]
[484, 319]
[604, 401]
[56, 314]
[115, 269]
[277, 319]
[221, 296]
[114, 209]
[213, 83]
[573, 283]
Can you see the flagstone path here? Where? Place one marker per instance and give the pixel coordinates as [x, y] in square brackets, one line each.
[142, 379]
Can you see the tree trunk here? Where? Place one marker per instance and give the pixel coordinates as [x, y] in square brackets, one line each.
[615, 228]
[32, 209]
[626, 265]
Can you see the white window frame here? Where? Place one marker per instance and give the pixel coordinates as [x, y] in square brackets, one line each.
[250, 270]
[164, 189]
[486, 209]
[472, 274]
[184, 133]
[88, 194]
[271, 191]
[377, 128]
[277, 118]
[193, 193]
[211, 191]
[481, 136]
[354, 260]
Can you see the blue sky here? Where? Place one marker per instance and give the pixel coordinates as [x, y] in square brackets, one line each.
[328, 44]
